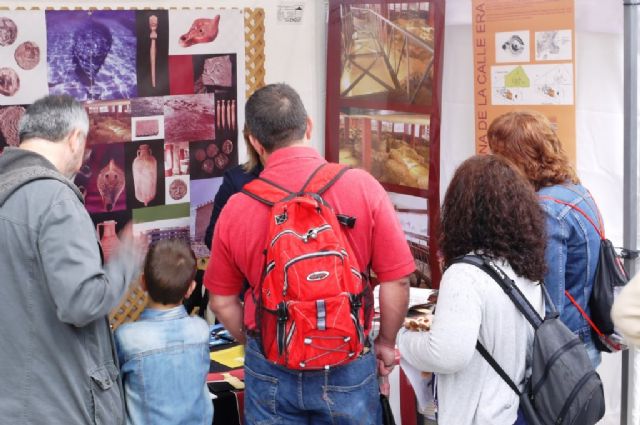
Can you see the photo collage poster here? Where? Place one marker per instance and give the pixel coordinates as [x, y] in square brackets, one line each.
[383, 109]
[164, 91]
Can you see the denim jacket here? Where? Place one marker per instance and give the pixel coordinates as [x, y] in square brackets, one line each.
[164, 359]
[573, 247]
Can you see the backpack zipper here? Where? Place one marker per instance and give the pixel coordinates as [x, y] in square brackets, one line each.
[572, 396]
[305, 257]
[569, 345]
[311, 233]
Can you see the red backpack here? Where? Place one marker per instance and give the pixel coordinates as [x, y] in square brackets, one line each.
[310, 306]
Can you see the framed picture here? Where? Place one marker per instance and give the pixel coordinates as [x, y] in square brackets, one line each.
[384, 83]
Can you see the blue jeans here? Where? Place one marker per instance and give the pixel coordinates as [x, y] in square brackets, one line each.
[345, 395]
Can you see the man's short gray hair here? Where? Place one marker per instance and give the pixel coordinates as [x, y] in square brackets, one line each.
[52, 118]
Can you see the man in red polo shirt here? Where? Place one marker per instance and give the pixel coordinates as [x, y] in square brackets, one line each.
[280, 131]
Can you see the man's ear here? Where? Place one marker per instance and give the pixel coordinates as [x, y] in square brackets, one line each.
[192, 287]
[76, 139]
[309, 130]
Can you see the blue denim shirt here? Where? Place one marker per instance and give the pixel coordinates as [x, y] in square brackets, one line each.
[573, 247]
[164, 360]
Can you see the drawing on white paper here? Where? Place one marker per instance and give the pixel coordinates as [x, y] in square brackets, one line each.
[554, 45]
[512, 46]
[532, 84]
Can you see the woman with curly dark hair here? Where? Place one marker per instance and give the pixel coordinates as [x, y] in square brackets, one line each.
[489, 209]
[528, 140]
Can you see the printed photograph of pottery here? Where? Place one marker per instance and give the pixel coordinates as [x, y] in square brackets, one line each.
[9, 121]
[389, 52]
[103, 180]
[176, 189]
[152, 30]
[196, 32]
[147, 128]
[109, 121]
[211, 158]
[189, 118]
[392, 146]
[147, 106]
[108, 226]
[144, 173]
[202, 194]
[23, 52]
[176, 159]
[214, 73]
[92, 54]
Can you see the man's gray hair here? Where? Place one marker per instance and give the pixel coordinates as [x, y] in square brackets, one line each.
[52, 118]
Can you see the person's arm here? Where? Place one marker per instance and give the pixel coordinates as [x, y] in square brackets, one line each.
[229, 311]
[626, 311]
[81, 288]
[227, 189]
[394, 300]
[556, 259]
[450, 344]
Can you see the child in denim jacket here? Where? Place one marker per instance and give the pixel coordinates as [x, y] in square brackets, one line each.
[164, 356]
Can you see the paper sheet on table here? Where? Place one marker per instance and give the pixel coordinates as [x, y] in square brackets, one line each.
[231, 357]
[423, 388]
[417, 296]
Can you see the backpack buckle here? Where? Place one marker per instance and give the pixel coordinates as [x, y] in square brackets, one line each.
[281, 218]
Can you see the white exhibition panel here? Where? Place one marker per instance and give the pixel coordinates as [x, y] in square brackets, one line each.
[296, 54]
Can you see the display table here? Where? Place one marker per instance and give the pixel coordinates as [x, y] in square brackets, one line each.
[226, 381]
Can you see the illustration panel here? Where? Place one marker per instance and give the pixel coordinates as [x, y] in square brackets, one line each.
[195, 32]
[147, 128]
[211, 158]
[387, 52]
[23, 52]
[162, 222]
[9, 125]
[188, 118]
[102, 178]
[152, 30]
[144, 172]
[532, 84]
[108, 226]
[413, 215]
[202, 194]
[92, 54]
[512, 46]
[554, 45]
[109, 121]
[147, 106]
[392, 146]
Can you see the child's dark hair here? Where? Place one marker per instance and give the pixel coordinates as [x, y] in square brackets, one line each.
[169, 269]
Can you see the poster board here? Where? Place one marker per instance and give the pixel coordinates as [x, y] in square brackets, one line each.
[383, 108]
[524, 59]
[165, 108]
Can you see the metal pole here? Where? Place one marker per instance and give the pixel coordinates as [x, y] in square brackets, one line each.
[630, 187]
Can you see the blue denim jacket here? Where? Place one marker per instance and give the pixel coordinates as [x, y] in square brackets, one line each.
[573, 247]
[164, 360]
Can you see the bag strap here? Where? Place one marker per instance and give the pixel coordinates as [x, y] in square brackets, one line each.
[489, 358]
[324, 177]
[269, 192]
[510, 288]
[599, 228]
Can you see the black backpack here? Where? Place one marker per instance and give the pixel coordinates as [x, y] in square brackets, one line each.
[564, 388]
[608, 281]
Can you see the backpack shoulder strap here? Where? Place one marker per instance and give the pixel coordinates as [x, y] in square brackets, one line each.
[508, 286]
[265, 191]
[499, 370]
[324, 177]
[599, 227]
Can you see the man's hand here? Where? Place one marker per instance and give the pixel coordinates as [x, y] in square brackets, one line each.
[386, 360]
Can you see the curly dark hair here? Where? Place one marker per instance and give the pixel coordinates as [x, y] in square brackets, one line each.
[490, 207]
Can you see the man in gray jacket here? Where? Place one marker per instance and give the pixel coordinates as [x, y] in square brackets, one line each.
[57, 363]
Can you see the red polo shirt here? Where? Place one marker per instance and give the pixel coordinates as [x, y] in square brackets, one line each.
[241, 232]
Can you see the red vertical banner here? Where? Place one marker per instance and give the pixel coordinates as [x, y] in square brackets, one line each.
[524, 60]
[384, 71]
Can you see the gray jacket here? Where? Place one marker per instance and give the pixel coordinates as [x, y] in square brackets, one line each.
[57, 362]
